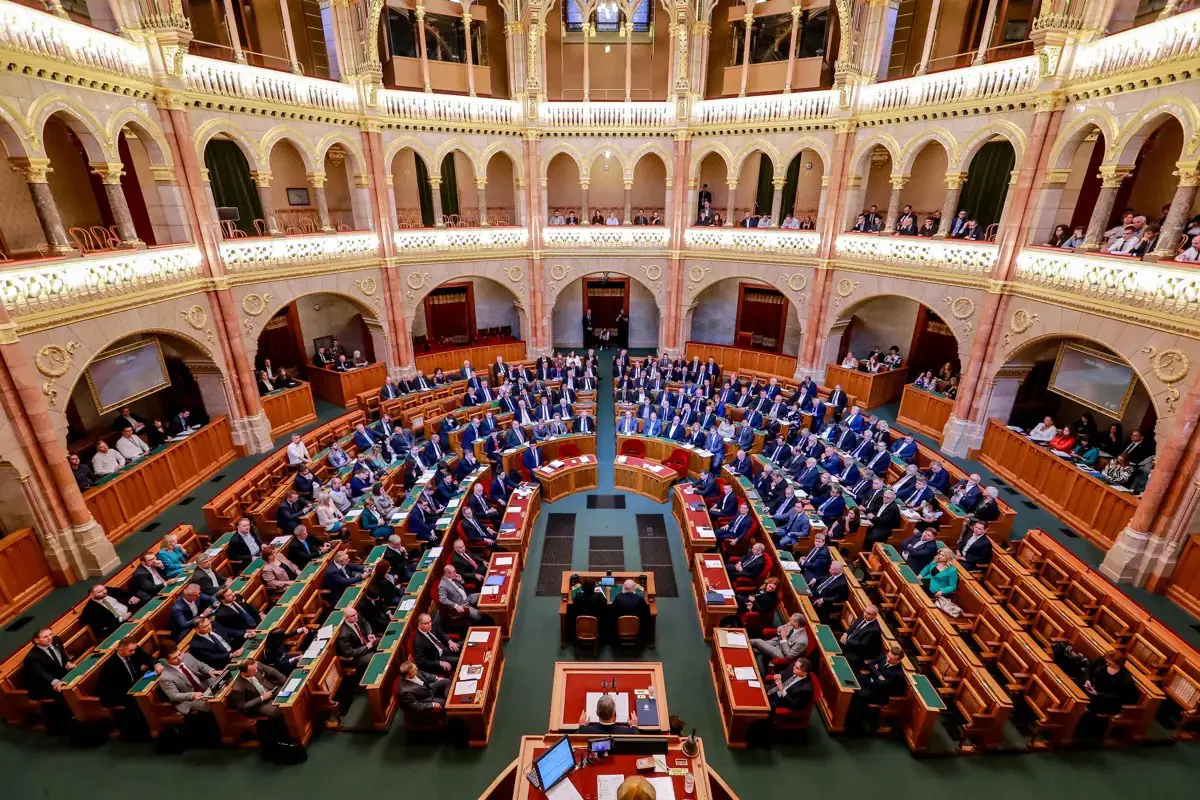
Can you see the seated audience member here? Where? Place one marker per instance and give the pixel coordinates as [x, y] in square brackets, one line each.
[476, 528]
[454, 597]
[795, 693]
[432, 650]
[587, 602]
[967, 494]
[629, 602]
[211, 646]
[83, 474]
[171, 556]
[148, 578]
[1118, 471]
[1191, 254]
[304, 547]
[254, 689]
[940, 575]
[829, 594]
[1085, 452]
[244, 546]
[106, 461]
[751, 565]
[355, 641]
[290, 512]
[606, 715]
[1075, 240]
[919, 549]
[1109, 684]
[184, 679]
[278, 572]
[1126, 244]
[421, 692]
[883, 681]
[989, 510]
[737, 527]
[1138, 449]
[863, 641]
[974, 548]
[131, 446]
[191, 607]
[1064, 441]
[1044, 431]
[120, 672]
[106, 609]
[235, 616]
[471, 568]
[789, 643]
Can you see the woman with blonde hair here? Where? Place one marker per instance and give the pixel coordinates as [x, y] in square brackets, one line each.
[635, 787]
[329, 516]
[277, 572]
[172, 556]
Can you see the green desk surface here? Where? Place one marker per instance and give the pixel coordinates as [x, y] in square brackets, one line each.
[827, 640]
[293, 592]
[415, 584]
[120, 633]
[375, 669]
[349, 597]
[925, 691]
[310, 569]
[427, 560]
[376, 554]
[892, 555]
[393, 633]
[273, 617]
[908, 575]
[798, 583]
[221, 542]
[786, 555]
[955, 510]
[843, 672]
[144, 683]
[152, 605]
[83, 667]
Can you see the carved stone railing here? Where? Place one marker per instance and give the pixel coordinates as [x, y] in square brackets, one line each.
[971, 84]
[419, 106]
[936, 255]
[36, 33]
[751, 241]
[418, 241]
[226, 79]
[619, 237]
[592, 116]
[1162, 287]
[1161, 42]
[796, 106]
[55, 284]
[246, 255]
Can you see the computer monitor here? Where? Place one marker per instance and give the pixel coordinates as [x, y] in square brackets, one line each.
[554, 764]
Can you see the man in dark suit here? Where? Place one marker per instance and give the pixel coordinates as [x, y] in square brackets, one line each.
[44, 668]
[432, 650]
[864, 639]
[420, 692]
[606, 716]
[919, 549]
[795, 693]
[304, 547]
[737, 527]
[148, 578]
[631, 603]
[235, 616]
[532, 458]
[1137, 449]
[106, 609]
[814, 564]
[121, 670]
[481, 509]
[207, 578]
[883, 681]
[706, 485]
[187, 609]
[967, 494]
[212, 647]
[741, 464]
[726, 505]
[342, 574]
[244, 546]
[829, 594]
[974, 548]
[290, 512]
[355, 640]
[884, 521]
[587, 602]
[751, 565]
[181, 422]
[471, 568]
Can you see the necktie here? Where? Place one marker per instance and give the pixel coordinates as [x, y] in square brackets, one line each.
[429, 636]
[128, 667]
[358, 630]
[212, 637]
[187, 673]
[54, 654]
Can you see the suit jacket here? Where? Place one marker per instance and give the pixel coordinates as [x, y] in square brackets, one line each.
[39, 670]
[815, 563]
[100, 619]
[300, 553]
[532, 458]
[239, 552]
[976, 554]
[117, 678]
[237, 620]
[336, 580]
[208, 585]
[182, 619]
[418, 697]
[142, 584]
[211, 652]
[474, 569]
[743, 467]
[864, 639]
[916, 553]
[887, 519]
[349, 643]
[426, 654]
[288, 516]
[751, 566]
[178, 688]
[797, 696]
[631, 605]
[833, 590]
[971, 495]
[245, 698]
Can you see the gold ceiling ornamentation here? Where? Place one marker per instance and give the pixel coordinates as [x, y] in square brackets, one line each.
[54, 360]
[196, 316]
[255, 304]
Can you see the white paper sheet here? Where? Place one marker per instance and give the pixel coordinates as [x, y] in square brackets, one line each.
[502, 561]
[607, 785]
[790, 566]
[408, 605]
[745, 673]
[753, 684]
[489, 590]
[713, 563]
[621, 699]
[465, 688]
[730, 639]
[664, 788]
[706, 533]
[477, 637]
[565, 790]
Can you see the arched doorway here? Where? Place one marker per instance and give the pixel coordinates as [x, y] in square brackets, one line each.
[295, 331]
[234, 192]
[923, 338]
[712, 177]
[501, 191]
[410, 189]
[989, 174]
[649, 193]
[742, 312]
[606, 294]
[564, 192]
[925, 191]
[78, 192]
[803, 188]
[295, 202]
[466, 312]
[877, 186]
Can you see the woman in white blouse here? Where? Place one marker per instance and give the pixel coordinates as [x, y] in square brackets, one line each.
[106, 461]
[726, 429]
[1044, 431]
[339, 494]
[926, 381]
[329, 516]
[850, 362]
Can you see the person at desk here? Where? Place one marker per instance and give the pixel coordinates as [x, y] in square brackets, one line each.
[452, 595]
[974, 548]
[421, 692]
[751, 565]
[278, 572]
[184, 680]
[172, 556]
[789, 643]
[475, 528]
[323, 358]
[1109, 684]
[105, 610]
[341, 575]
[863, 641]
[389, 390]
[919, 549]
[796, 692]
[1118, 472]
[432, 650]
[235, 616]
[127, 419]
[814, 565]
[106, 461]
[83, 474]
[472, 568]
[189, 608]
[254, 689]
[631, 603]
[706, 485]
[905, 449]
[244, 546]
[587, 602]
[266, 384]
[1064, 441]
[131, 446]
[181, 422]
[211, 647]
[937, 477]
[739, 525]
[532, 458]
[967, 494]
[1137, 450]
[120, 672]
[303, 548]
[741, 464]
[832, 507]
[883, 681]
[1085, 451]
[148, 578]
[1044, 431]
[355, 641]
[206, 577]
[606, 724]
[290, 512]
[829, 594]
[343, 364]
[940, 576]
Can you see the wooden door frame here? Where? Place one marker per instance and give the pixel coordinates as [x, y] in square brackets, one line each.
[621, 279]
[472, 331]
[737, 325]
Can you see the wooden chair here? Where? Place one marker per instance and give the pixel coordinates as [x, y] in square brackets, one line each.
[587, 631]
[629, 632]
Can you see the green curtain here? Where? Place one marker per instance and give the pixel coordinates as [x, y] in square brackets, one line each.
[766, 189]
[424, 193]
[790, 187]
[449, 186]
[229, 175]
[987, 183]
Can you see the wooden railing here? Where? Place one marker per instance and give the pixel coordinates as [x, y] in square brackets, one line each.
[25, 576]
[481, 357]
[926, 412]
[738, 359]
[289, 409]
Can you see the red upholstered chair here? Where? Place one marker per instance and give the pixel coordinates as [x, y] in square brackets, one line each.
[568, 450]
[679, 461]
[452, 621]
[632, 447]
[778, 664]
[788, 720]
[748, 584]
[482, 548]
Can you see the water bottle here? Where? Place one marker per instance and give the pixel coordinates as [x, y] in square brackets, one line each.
[689, 784]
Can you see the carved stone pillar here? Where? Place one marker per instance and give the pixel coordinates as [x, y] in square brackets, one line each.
[930, 32]
[481, 193]
[1110, 184]
[585, 213]
[360, 202]
[587, 66]
[289, 40]
[262, 179]
[749, 22]
[514, 35]
[521, 212]
[435, 189]
[421, 42]
[777, 200]
[730, 201]
[110, 177]
[1181, 204]
[231, 28]
[854, 195]
[791, 68]
[628, 203]
[821, 202]
[954, 184]
[36, 172]
[893, 210]
[317, 181]
[985, 40]
[466, 18]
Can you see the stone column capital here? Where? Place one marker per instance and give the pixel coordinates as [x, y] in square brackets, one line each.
[110, 172]
[34, 170]
[481, 183]
[955, 180]
[435, 183]
[899, 181]
[262, 178]
[316, 180]
[1111, 177]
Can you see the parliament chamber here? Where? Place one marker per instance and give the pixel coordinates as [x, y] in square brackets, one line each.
[601, 399]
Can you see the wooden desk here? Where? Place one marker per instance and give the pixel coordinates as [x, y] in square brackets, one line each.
[482, 357]
[658, 449]
[574, 680]
[289, 409]
[502, 603]
[25, 575]
[739, 359]
[1089, 505]
[704, 575]
[516, 526]
[551, 449]
[924, 411]
[567, 592]
[512, 784]
[477, 710]
[695, 526]
[872, 391]
[342, 388]
[743, 702]
[642, 476]
[577, 474]
[124, 502]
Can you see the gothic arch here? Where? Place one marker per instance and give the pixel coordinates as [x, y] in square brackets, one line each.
[704, 152]
[148, 132]
[452, 146]
[222, 127]
[1073, 135]
[15, 136]
[846, 311]
[913, 149]
[1133, 135]
[857, 161]
[286, 133]
[503, 276]
[961, 161]
[401, 142]
[562, 148]
[254, 325]
[501, 146]
[778, 166]
[82, 124]
[607, 151]
[806, 143]
[353, 151]
[642, 152]
[651, 276]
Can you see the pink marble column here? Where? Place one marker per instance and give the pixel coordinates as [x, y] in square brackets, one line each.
[317, 181]
[36, 172]
[110, 177]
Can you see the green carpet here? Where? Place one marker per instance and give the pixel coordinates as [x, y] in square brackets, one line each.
[345, 764]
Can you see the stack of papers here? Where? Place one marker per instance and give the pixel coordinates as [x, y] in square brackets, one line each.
[470, 672]
[466, 688]
[478, 637]
[745, 673]
[487, 591]
[621, 459]
[705, 533]
[790, 566]
[713, 563]
[408, 604]
[731, 639]
[503, 561]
